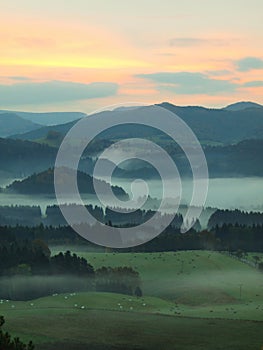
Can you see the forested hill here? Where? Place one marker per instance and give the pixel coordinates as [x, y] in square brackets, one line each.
[224, 126]
[242, 159]
[43, 183]
[21, 158]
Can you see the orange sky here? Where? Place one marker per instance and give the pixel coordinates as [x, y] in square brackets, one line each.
[130, 45]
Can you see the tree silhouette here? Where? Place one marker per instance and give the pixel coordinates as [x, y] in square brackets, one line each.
[7, 343]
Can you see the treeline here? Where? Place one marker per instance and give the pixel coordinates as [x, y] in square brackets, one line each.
[112, 216]
[239, 237]
[34, 258]
[28, 271]
[226, 237]
[32, 216]
[123, 280]
[51, 235]
[221, 217]
[20, 215]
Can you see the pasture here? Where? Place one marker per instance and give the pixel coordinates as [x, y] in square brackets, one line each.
[73, 320]
[191, 278]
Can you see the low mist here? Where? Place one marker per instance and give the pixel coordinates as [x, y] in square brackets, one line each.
[33, 287]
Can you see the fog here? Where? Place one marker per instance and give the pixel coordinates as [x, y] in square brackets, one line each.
[224, 193]
[207, 286]
[32, 287]
[187, 287]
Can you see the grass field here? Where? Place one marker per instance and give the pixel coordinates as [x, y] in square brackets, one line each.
[193, 278]
[72, 320]
[192, 300]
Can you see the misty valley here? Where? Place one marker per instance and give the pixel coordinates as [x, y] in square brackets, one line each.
[56, 280]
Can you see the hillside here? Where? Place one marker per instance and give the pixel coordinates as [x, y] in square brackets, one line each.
[11, 123]
[243, 159]
[42, 132]
[193, 278]
[221, 125]
[21, 158]
[43, 183]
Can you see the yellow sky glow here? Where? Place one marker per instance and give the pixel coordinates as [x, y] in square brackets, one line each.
[116, 43]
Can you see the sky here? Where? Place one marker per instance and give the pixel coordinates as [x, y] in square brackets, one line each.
[84, 55]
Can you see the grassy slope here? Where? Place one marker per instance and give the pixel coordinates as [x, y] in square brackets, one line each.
[194, 278]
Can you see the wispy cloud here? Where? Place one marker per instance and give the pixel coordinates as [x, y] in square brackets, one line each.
[19, 78]
[195, 41]
[219, 73]
[189, 83]
[54, 92]
[186, 41]
[255, 83]
[249, 63]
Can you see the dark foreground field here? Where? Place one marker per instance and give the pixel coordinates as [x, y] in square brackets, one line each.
[100, 329]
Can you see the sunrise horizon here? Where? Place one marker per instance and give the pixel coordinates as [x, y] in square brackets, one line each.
[87, 56]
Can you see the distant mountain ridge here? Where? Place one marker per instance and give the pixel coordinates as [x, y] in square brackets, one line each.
[11, 123]
[239, 106]
[44, 131]
[220, 126]
[48, 118]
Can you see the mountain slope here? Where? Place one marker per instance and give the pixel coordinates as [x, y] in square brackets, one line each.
[220, 125]
[21, 158]
[43, 183]
[48, 118]
[42, 132]
[11, 123]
